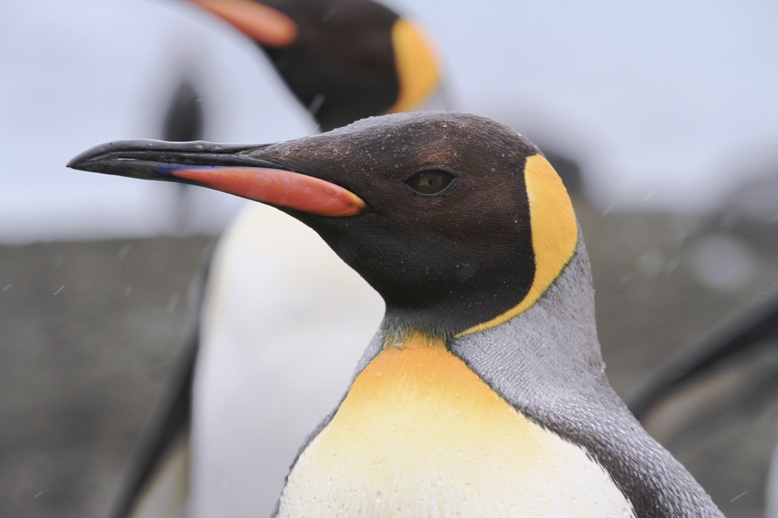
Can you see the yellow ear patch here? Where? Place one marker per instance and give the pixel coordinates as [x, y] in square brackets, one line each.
[554, 233]
[417, 65]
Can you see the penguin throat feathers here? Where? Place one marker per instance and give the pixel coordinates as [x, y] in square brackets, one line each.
[552, 345]
[413, 340]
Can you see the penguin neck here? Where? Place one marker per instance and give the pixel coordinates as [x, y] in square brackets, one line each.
[556, 336]
[550, 347]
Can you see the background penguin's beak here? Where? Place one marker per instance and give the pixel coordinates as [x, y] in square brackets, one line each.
[266, 25]
[224, 168]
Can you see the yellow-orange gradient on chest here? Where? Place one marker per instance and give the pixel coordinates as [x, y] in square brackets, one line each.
[420, 434]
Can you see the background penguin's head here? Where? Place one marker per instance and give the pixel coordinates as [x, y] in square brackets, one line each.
[343, 59]
[453, 218]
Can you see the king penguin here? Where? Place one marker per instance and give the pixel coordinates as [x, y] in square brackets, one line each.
[228, 427]
[483, 392]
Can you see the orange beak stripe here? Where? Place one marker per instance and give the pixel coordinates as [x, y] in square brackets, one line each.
[268, 26]
[280, 188]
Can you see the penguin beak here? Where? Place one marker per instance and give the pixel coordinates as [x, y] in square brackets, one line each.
[224, 168]
[267, 26]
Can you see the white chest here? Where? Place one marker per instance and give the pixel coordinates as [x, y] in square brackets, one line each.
[419, 434]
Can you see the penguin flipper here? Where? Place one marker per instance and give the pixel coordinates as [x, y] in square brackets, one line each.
[156, 482]
[166, 493]
[713, 405]
[736, 336]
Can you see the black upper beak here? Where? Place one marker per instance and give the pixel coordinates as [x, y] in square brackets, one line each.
[155, 159]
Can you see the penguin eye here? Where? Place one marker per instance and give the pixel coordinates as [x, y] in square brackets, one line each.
[429, 182]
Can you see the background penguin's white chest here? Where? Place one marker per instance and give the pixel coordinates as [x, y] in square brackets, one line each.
[420, 434]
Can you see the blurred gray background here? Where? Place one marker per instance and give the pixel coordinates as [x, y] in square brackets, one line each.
[665, 117]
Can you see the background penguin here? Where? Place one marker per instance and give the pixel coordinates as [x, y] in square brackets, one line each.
[344, 59]
[484, 390]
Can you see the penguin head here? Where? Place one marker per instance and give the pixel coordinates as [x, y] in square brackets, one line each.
[457, 221]
[343, 59]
